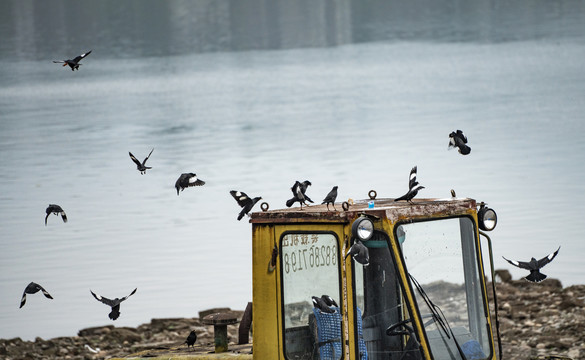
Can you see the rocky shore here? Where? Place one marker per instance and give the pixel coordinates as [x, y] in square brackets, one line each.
[537, 321]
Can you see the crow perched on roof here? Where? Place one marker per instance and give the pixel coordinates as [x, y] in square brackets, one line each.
[186, 180]
[359, 252]
[330, 198]
[299, 193]
[191, 338]
[245, 202]
[33, 288]
[55, 209]
[320, 304]
[73, 63]
[412, 187]
[534, 266]
[141, 166]
[459, 140]
[114, 304]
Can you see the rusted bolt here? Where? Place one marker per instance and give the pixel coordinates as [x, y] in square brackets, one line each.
[264, 206]
[220, 321]
[345, 205]
[372, 194]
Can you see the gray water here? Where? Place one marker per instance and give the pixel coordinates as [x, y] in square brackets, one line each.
[253, 97]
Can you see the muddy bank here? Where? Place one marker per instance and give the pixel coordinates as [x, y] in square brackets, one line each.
[536, 320]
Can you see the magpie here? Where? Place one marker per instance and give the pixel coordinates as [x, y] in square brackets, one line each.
[55, 209]
[412, 187]
[73, 63]
[191, 339]
[298, 190]
[330, 198]
[186, 180]
[33, 288]
[141, 166]
[359, 252]
[459, 140]
[320, 304]
[114, 304]
[534, 266]
[245, 202]
[329, 300]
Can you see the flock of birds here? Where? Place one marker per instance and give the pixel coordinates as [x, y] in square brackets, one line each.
[358, 251]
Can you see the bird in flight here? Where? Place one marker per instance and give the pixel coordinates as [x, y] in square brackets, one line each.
[141, 166]
[186, 180]
[114, 304]
[55, 209]
[330, 198]
[457, 139]
[73, 63]
[33, 288]
[245, 202]
[412, 187]
[534, 266]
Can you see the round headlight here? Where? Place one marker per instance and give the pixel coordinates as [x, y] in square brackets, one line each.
[363, 228]
[487, 218]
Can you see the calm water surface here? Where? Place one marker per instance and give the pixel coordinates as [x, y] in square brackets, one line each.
[358, 115]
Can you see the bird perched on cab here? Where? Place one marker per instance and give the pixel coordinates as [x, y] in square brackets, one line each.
[320, 304]
[73, 63]
[55, 209]
[534, 266]
[329, 300]
[359, 252]
[141, 166]
[413, 187]
[330, 198]
[457, 139]
[114, 304]
[33, 288]
[245, 202]
[299, 194]
[186, 180]
[191, 339]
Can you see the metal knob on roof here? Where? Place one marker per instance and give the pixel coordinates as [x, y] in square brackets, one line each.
[220, 321]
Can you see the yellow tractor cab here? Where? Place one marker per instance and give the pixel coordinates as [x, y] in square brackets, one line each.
[406, 281]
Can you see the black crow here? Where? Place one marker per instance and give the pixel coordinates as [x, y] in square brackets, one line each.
[322, 305]
[33, 288]
[73, 63]
[245, 202]
[141, 166]
[114, 304]
[459, 140]
[330, 198]
[412, 187]
[186, 180]
[359, 252]
[191, 339]
[298, 190]
[329, 300]
[55, 209]
[534, 266]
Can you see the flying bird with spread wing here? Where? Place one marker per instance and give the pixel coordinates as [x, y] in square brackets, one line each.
[114, 304]
[141, 166]
[245, 202]
[55, 209]
[457, 139]
[186, 180]
[534, 266]
[73, 63]
[33, 288]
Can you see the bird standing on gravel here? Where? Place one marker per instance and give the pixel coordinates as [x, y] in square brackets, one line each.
[55, 209]
[186, 180]
[330, 198]
[114, 304]
[141, 166]
[73, 63]
[245, 202]
[459, 140]
[534, 266]
[191, 339]
[33, 288]
[412, 187]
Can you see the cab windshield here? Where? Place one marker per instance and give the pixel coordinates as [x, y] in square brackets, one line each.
[441, 258]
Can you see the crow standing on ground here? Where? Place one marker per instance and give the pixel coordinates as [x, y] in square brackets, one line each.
[73, 63]
[114, 304]
[186, 180]
[330, 198]
[459, 140]
[141, 166]
[191, 339]
[55, 209]
[534, 266]
[412, 187]
[33, 288]
[245, 202]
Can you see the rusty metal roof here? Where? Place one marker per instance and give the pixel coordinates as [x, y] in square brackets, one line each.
[383, 208]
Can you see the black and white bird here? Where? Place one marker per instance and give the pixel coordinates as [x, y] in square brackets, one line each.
[299, 193]
[186, 180]
[320, 304]
[534, 266]
[330, 198]
[359, 252]
[73, 63]
[329, 300]
[55, 209]
[413, 187]
[33, 288]
[457, 139]
[114, 304]
[191, 339]
[245, 202]
[141, 166]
